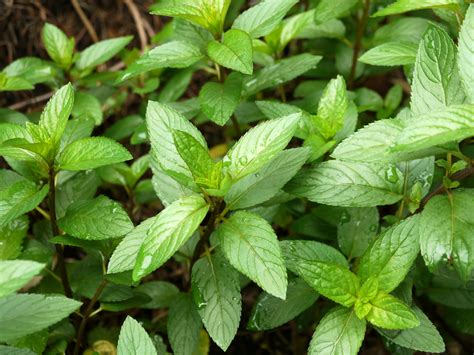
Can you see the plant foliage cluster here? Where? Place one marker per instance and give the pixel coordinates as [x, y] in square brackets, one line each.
[352, 211]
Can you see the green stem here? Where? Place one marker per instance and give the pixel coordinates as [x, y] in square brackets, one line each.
[361, 23]
[87, 314]
[55, 229]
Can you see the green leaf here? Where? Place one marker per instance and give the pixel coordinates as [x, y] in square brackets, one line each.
[424, 338]
[333, 281]
[346, 184]
[435, 128]
[184, 324]
[267, 181]
[134, 339]
[125, 255]
[391, 255]
[198, 160]
[90, 153]
[389, 313]
[235, 51]
[356, 229]
[307, 251]
[405, 29]
[162, 121]
[14, 274]
[279, 73]
[445, 231]
[219, 101]
[174, 54]
[11, 237]
[97, 219]
[162, 293]
[260, 145]
[339, 332]
[216, 292]
[262, 18]
[391, 54]
[59, 47]
[25, 314]
[18, 198]
[402, 6]
[170, 230]
[87, 106]
[466, 52]
[332, 108]
[327, 10]
[100, 52]
[56, 113]
[270, 312]
[251, 246]
[436, 83]
[10, 350]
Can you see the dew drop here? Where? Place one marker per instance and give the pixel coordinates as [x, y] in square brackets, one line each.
[391, 174]
[243, 160]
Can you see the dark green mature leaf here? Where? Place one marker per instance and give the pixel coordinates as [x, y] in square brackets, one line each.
[357, 227]
[406, 29]
[436, 128]
[25, 314]
[170, 230]
[235, 51]
[219, 101]
[97, 219]
[14, 274]
[251, 246]
[436, 83]
[260, 145]
[391, 255]
[270, 312]
[100, 52]
[446, 226]
[10, 350]
[339, 332]
[297, 251]
[56, 113]
[391, 54]
[279, 73]
[134, 340]
[90, 153]
[338, 183]
[402, 6]
[19, 197]
[59, 47]
[266, 182]
[216, 292]
[87, 106]
[425, 337]
[184, 324]
[262, 18]
[466, 53]
[389, 313]
[174, 54]
[333, 281]
[162, 293]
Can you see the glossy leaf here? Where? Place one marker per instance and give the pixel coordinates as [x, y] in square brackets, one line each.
[466, 53]
[339, 332]
[391, 54]
[401, 6]
[133, 339]
[100, 52]
[389, 313]
[97, 219]
[251, 246]
[170, 230]
[331, 280]
[338, 183]
[14, 274]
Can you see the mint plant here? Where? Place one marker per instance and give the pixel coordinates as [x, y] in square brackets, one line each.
[288, 201]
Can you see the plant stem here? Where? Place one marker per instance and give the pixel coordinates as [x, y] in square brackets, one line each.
[55, 229]
[87, 314]
[460, 175]
[236, 125]
[361, 23]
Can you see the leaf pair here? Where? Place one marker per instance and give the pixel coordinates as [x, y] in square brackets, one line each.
[382, 267]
